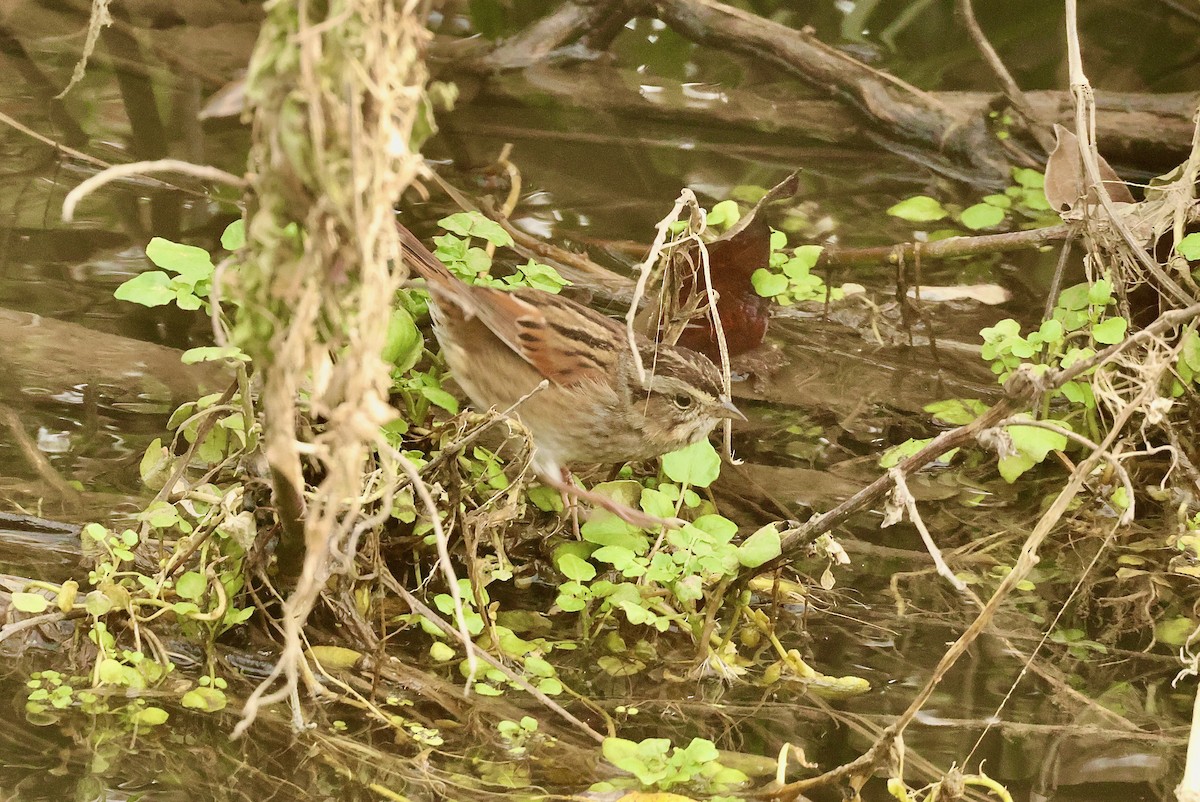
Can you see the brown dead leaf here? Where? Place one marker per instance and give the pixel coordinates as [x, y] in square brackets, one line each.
[681, 316]
[1065, 185]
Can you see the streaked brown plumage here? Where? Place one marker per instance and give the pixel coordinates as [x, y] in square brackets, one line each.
[501, 345]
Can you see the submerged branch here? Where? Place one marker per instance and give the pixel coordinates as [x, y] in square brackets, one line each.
[569, 22]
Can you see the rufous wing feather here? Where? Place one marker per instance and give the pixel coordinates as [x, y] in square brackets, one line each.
[565, 342]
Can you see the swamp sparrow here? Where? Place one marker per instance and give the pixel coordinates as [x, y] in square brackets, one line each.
[501, 345]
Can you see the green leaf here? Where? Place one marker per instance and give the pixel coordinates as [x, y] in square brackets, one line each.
[1074, 355]
[191, 263]
[724, 214]
[1190, 351]
[1072, 320]
[441, 652]
[981, 215]
[190, 586]
[606, 529]
[700, 751]
[160, 515]
[546, 499]
[1100, 293]
[573, 567]
[1012, 466]
[1004, 329]
[1189, 247]
[622, 491]
[1079, 393]
[1035, 441]
[622, 753]
[808, 255]
[1051, 331]
[441, 398]
[477, 262]
[1023, 348]
[150, 717]
[1030, 179]
[152, 288]
[718, 527]
[542, 277]
[483, 689]
[234, 236]
[539, 667]
[658, 503]
[335, 657]
[235, 616]
[1111, 331]
[204, 699]
[567, 600]
[748, 193]
[114, 672]
[30, 602]
[698, 464]
[768, 284]
[1120, 498]
[797, 270]
[97, 603]
[1034, 200]
[894, 455]
[761, 547]
[94, 531]
[404, 342]
[727, 776]
[186, 299]
[550, 686]
[918, 209]
[956, 411]
[1175, 631]
[622, 559]
[1075, 297]
[449, 248]
[474, 224]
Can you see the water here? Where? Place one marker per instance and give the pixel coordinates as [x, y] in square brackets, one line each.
[91, 381]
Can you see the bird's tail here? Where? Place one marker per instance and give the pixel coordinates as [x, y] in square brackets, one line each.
[421, 260]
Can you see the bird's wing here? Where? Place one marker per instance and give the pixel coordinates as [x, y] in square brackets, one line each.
[566, 342]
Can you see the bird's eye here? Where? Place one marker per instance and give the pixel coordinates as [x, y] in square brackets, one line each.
[682, 401]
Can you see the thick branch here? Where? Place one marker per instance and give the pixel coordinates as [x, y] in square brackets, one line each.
[1147, 131]
[569, 22]
[898, 109]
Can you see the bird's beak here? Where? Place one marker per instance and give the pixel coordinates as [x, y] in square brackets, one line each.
[728, 410]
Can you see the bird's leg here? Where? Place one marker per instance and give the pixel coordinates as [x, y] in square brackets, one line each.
[569, 503]
[566, 485]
